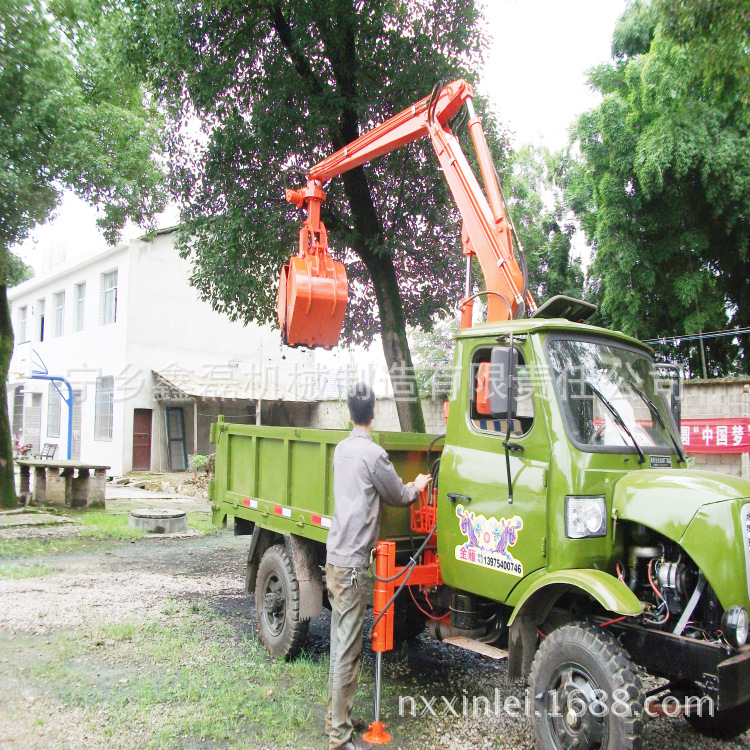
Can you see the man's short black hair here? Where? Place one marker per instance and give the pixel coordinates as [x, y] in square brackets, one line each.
[361, 402]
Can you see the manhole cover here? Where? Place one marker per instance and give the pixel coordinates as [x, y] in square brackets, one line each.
[158, 520]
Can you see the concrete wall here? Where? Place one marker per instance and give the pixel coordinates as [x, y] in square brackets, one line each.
[334, 415]
[722, 398]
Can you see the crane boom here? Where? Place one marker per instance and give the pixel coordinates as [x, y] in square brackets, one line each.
[313, 287]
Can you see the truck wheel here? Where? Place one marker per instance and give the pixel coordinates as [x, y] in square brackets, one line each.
[723, 725]
[587, 693]
[277, 604]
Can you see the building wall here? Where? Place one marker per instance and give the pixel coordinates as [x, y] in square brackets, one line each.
[79, 356]
[722, 398]
[161, 325]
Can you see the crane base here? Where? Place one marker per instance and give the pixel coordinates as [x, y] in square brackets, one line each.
[377, 734]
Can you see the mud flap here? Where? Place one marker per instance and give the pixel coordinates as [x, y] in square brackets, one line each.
[305, 558]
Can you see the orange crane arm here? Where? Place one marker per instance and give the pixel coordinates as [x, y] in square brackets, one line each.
[487, 233]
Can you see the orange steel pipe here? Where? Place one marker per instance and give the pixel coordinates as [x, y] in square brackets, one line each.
[427, 574]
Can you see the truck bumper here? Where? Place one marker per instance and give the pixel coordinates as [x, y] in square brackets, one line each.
[712, 669]
[734, 680]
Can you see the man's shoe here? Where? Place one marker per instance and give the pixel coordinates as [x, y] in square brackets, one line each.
[357, 743]
[357, 723]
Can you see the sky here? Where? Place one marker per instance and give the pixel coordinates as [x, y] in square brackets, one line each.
[535, 72]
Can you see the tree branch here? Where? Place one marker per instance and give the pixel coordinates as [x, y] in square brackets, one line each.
[301, 64]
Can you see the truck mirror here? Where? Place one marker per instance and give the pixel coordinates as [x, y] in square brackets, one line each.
[675, 403]
[503, 374]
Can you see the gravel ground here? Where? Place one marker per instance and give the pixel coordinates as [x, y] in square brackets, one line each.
[136, 580]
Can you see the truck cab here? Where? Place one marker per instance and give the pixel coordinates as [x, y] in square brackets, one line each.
[565, 496]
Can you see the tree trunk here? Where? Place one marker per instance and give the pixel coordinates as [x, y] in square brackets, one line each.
[7, 479]
[392, 323]
[396, 346]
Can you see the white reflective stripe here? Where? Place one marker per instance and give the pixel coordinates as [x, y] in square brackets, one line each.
[286, 512]
[325, 522]
[254, 504]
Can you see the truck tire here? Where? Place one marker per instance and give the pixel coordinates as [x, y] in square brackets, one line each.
[723, 725]
[587, 693]
[277, 604]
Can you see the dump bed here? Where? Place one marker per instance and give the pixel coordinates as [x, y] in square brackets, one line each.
[282, 477]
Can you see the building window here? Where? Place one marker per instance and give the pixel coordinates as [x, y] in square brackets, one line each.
[21, 325]
[104, 408]
[54, 405]
[18, 413]
[59, 298]
[109, 297]
[40, 318]
[80, 304]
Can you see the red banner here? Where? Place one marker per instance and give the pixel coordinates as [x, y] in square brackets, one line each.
[716, 435]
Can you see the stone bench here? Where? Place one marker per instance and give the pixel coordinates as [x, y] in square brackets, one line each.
[69, 484]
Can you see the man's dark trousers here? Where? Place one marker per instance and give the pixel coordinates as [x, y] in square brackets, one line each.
[347, 592]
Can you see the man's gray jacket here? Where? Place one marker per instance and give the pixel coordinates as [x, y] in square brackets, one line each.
[362, 476]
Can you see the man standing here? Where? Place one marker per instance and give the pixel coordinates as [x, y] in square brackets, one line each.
[363, 476]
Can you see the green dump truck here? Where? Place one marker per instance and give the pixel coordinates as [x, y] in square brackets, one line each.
[570, 532]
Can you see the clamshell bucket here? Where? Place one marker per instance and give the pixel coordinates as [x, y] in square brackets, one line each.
[313, 292]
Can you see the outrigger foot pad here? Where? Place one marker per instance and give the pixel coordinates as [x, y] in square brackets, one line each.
[377, 734]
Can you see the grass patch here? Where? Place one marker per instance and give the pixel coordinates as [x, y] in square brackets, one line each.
[14, 549]
[24, 570]
[98, 524]
[202, 522]
[95, 527]
[186, 681]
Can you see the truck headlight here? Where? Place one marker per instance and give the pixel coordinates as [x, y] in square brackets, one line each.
[734, 626]
[585, 516]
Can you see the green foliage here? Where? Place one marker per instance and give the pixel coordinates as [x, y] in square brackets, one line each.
[276, 86]
[433, 353]
[544, 224]
[663, 187]
[71, 115]
[16, 271]
[199, 462]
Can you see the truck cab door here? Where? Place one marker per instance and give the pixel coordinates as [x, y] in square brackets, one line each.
[487, 543]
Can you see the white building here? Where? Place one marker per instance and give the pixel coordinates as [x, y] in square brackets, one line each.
[151, 365]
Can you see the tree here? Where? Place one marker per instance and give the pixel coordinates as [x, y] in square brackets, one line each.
[663, 188]
[258, 92]
[71, 115]
[544, 224]
[434, 352]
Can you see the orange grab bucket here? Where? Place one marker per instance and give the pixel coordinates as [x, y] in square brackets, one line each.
[311, 304]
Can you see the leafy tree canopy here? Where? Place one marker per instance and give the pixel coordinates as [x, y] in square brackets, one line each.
[663, 187]
[72, 115]
[544, 224]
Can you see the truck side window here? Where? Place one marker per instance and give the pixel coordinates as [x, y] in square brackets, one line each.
[480, 417]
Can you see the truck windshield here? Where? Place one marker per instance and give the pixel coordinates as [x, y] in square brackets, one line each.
[590, 375]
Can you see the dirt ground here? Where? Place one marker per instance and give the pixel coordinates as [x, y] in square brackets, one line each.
[140, 643]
